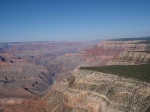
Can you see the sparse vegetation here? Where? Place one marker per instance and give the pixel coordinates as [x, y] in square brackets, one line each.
[144, 42]
[140, 72]
[71, 80]
[142, 51]
[131, 39]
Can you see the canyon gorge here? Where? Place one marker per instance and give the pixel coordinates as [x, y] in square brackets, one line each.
[56, 76]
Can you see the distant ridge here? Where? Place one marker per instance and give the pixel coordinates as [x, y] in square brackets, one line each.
[147, 38]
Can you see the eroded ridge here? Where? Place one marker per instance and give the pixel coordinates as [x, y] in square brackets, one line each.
[88, 91]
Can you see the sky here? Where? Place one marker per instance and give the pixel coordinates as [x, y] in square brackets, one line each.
[73, 20]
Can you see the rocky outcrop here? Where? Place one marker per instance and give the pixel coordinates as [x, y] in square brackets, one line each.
[10, 101]
[116, 53]
[19, 105]
[99, 55]
[133, 52]
[87, 91]
[134, 45]
[131, 58]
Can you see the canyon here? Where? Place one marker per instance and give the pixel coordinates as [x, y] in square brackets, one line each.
[47, 76]
[29, 68]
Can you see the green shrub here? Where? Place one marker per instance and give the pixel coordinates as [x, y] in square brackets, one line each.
[140, 72]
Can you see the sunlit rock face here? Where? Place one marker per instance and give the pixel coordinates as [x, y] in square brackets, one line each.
[130, 58]
[87, 91]
[136, 45]
[133, 52]
[117, 53]
[100, 53]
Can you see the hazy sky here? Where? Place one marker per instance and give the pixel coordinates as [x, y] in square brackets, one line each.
[41, 20]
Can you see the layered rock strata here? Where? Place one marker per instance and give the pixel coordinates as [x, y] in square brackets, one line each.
[87, 91]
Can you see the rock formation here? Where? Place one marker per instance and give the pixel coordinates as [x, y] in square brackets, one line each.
[40, 66]
[87, 91]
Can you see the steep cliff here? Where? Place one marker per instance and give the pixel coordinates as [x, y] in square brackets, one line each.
[117, 52]
[88, 91]
[133, 51]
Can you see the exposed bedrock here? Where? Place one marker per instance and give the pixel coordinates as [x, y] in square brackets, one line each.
[87, 91]
[133, 52]
[131, 58]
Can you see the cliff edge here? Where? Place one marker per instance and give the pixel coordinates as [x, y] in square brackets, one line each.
[90, 91]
